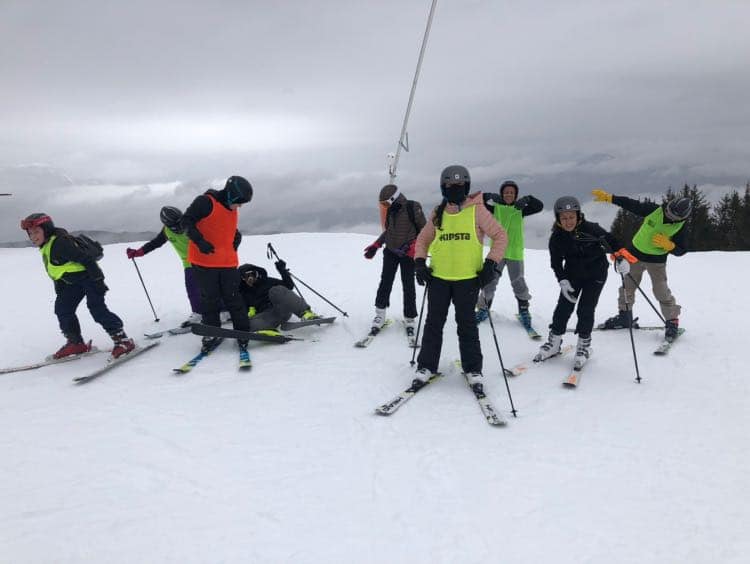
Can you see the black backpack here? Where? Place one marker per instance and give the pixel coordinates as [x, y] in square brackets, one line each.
[89, 246]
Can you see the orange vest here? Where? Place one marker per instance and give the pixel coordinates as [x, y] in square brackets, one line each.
[218, 228]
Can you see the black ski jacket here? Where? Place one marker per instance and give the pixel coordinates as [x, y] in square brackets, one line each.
[65, 250]
[581, 254]
[257, 295]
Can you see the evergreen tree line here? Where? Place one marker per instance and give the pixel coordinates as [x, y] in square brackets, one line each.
[723, 227]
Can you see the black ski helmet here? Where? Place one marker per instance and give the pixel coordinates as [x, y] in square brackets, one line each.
[567, 203]
[509, 184]
[171, 218]
[455, 183]
[238, 190]
[678, 209]
[39, 219]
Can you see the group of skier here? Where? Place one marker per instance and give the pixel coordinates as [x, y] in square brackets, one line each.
[206, 238]
[459, 273]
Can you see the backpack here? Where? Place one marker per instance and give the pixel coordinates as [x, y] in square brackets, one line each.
[411, 213]
[89, 246]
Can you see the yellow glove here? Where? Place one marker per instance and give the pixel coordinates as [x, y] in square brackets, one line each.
[601, 196]
[662, 241]
[251, 311]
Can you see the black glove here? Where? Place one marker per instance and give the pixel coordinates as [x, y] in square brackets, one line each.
[205, 247]
[421, 272]
[522, 203]
[99, 286]
[487, 274]
[281, 267]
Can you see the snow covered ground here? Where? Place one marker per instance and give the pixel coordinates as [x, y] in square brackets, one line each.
[288, 463]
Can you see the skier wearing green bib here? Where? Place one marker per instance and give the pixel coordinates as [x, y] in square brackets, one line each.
[453, 236]
[173, 232]
[661, 234]
[509, 210]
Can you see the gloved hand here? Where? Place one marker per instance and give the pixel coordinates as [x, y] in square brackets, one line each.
[421, 272]
[134, 253]
[281, 267]
[251, 311]
[601, 195]
[370, 250]
[99, 286]
[622, 266]
[566, 289]
[662, 241]
[205, 247]
[487, 274]
[412, 249]
[522, 203]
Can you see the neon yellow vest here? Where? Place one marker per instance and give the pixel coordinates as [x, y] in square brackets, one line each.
[653, 224]
[180, 243]
[512, 221]
[56, 272]
[456, 252]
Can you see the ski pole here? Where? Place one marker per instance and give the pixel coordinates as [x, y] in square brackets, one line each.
[638, 287]
[419, 326]
[271, 251]
[135, 264]
[505, 370]
[630, 328]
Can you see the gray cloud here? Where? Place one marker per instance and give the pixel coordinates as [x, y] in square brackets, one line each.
[124, 107]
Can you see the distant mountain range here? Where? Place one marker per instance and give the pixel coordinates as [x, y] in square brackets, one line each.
[104, 237]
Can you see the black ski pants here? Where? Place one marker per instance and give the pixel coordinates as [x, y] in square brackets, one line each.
[440, 294]
[69, 297]
[217, 285]
[391, 262]
[588, 292]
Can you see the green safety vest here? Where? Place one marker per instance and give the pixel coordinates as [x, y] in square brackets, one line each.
[511, 219]
[180, 243]
[653, 223]
[56, 272]
[456, 252]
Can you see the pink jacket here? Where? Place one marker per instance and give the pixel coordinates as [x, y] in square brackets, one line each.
[485, 222]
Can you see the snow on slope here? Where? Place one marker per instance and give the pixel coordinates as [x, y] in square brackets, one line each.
[289, 464]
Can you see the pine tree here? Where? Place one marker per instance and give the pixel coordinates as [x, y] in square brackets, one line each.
[726, 218]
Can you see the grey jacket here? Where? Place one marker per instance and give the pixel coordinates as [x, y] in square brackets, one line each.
[399, 229]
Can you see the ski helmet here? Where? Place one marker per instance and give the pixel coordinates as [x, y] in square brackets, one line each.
[678, 209]
[39, 219]
[388, 193]
[238, 190]
[567, 203]
[511, 184]
[455, 183]
[250, 272]
[171, 218]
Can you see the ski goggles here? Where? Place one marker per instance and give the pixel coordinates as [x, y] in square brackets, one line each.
[389, 201]
[27, 224]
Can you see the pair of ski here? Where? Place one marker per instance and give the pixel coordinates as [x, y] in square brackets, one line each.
[285, 326]
[571, 381]
[244, 365]
[492, 416]
[110, 364]
[411, 337]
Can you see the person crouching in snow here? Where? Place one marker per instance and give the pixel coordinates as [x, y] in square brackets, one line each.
[404, 220]
[271, 301]
[76, 276]
[454, 236]
[578, 256]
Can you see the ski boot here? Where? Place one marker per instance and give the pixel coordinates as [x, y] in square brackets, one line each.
[622, 320]
[74, 346]
[482, 314]
[309, 315]
[379, 320]
[209, 343]
[523, 313]
[550, 348]
[421, 376]
[583, 351]
[411, 326]
[670, 330]
[123, 343]
[194, 318]
[475, 381]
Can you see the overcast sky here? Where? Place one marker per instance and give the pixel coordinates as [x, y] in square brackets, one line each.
[109, 110]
